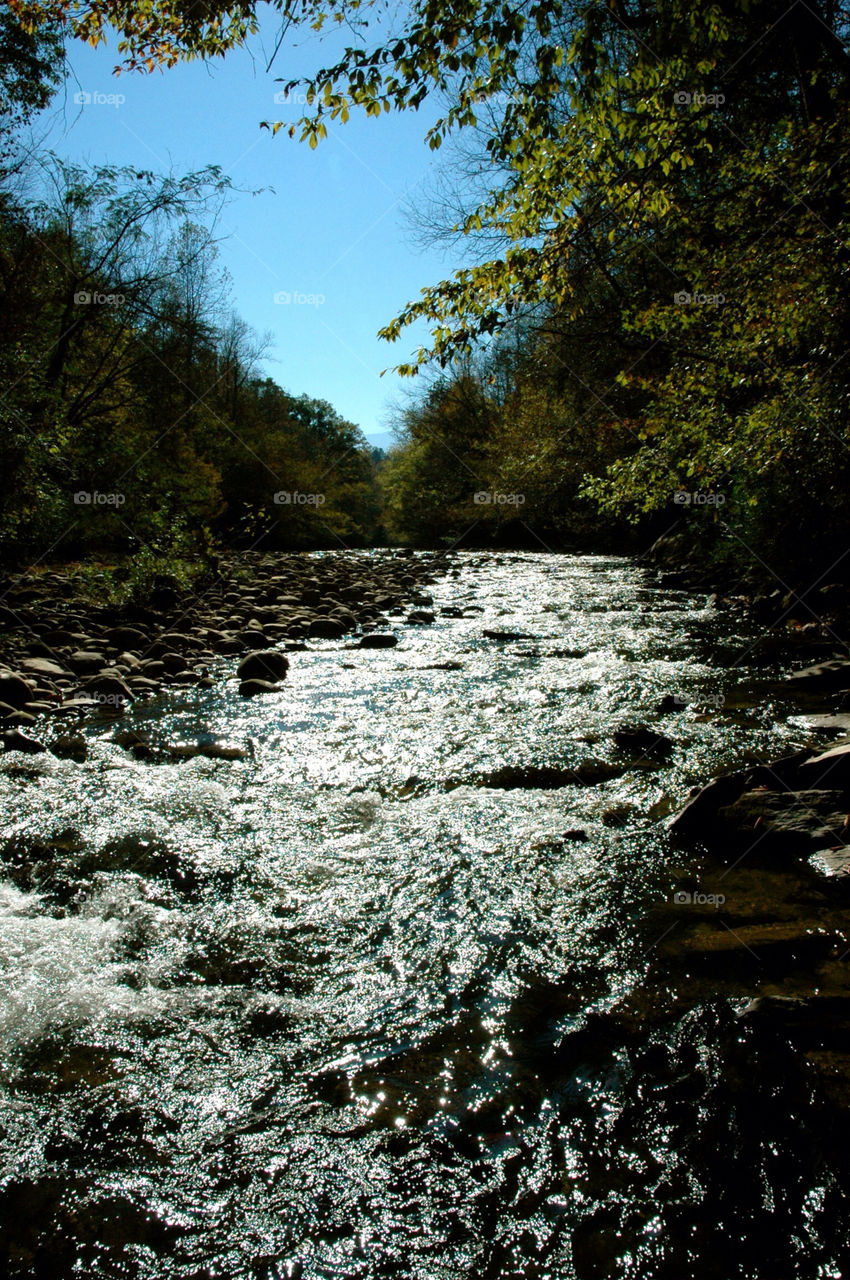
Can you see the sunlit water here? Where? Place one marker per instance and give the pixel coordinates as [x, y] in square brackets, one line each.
[342, 1010]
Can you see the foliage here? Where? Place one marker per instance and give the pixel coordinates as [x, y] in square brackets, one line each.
[135, 419]
[669, 197]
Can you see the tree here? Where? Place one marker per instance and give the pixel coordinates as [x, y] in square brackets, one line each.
[638, 151]
[31, 69]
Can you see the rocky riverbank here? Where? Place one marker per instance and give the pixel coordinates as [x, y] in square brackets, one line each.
[763, 906]
[62, 658]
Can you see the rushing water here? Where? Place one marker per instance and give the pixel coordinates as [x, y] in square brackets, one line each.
[342, 1009]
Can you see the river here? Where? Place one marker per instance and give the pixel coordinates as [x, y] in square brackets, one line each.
[370, 1003]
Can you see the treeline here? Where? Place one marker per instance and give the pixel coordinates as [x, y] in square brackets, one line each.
[652, 335]
[134, 418]
[493, 454]
[672, 297]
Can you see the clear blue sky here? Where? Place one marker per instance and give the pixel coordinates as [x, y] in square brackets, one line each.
[332, 227]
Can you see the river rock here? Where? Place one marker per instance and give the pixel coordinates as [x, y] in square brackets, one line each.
[210, 750]
[640, 741]
[108, 689]
[70, 747]
[770, 948]
[263, 664]
[587, 773]
[828, 769]
[24, 717]
[787, 821]
[127, 638]
[420, 617]
[251, 688]
[828, 724]
[15, 691]
[42, 667]
[824, 676]
[84, 662]
[699, 816]
[377, 640]
[504, 636]
[14, 740]
[327, 628]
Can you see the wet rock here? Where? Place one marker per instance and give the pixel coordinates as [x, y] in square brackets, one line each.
[420, 617]
[42, 667]
[641, 741]
[108, 690]
[327, 629]
[828, 724]
[15, 691]
[251, 688]
[828, 769]
[788, 821]
[85, 662]
[178, 640]
[78, 703]
[15, 740]
[823, 677]
[252, 639]
[377, 640]
[141, 684]
[700, 813]
[23, 717]
[817, 1021]
[210, 750]
[6, 710]
[127, 638]
[587, 773]
[773, 949]
[70, 747]
[833, 864]
[263, 664]
[173, 662]
[505, 636]
[671, 702]
[618, 815]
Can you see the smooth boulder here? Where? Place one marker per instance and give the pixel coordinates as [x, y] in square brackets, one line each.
[251, 688]
[15, 691]
[377, 640]
[263, 664]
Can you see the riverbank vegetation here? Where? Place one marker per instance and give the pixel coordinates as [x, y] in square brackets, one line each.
[648, 334]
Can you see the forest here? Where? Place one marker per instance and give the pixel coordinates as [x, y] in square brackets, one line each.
[647, 339]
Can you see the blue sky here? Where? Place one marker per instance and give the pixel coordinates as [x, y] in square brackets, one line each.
[329, 230]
